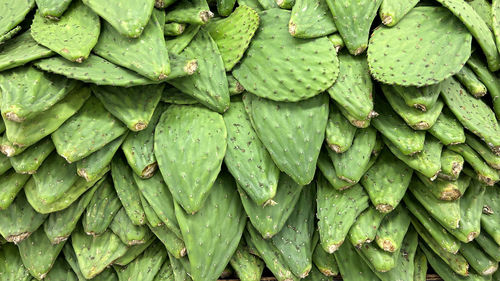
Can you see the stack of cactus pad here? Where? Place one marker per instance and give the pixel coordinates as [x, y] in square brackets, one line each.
[192, 140]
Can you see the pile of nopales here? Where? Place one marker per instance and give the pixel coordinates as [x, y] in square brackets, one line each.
[184, 140]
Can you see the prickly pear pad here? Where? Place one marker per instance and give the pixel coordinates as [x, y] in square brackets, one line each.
[274, 65]
[12, 15]
[190, 143]
[52, 9]
[415, 52]
[20, 50]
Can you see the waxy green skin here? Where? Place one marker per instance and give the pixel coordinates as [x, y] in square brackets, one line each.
[134, 251]
[353, 21]
[456, 262]
[421, 98]
[295, 240]
[339, 131]
[317, 275]
[94, 254]
[337, 211]
[70, 257]
[4, 162]
[175, 246]
[327, 169]
[270, 254]
[61, 271]
[38, 253]
[87, 131]
[446, 190]
[337, 41]
[11, 184]
[127, 190]
[175, 96]
[376, 258]
[488, 245]
[311, 19]
[394, 128]
[353, 88]
[480, 261]
[177, 44]
[364, 229]
[146, 55]
[194, 12]
[420, 266]
[7, 36]
[292, 81]
[13, 14]
[43, 124]
[386, 181]
[445, 212]
[151, 216]
[474, 114]
[268, 4]
[489, 79]
[11, 265]
[234, 86]
[440, 235]
[352, 267]
[483, 150]
[452, 164]
[427, 162]
[152, 259]
[269, 219]
[9, 149]
[392, 230]
[19, 220]
[27, 91]
[469, 79]
[52, 9]
[92, 166]
[129, 17]
[448, 129]
[223, 215]
[101, 209]
[138, 147]
[388, 59]
[60, 225]
[414, 117]
[73, 36]
[174, 28]
[158, 196]
[392, 11]
[32, 158]
[195, 139]
[165, 273]
[247, 266]
[234, 33]
[490, 220]
[325, 262]
[209, 84]
[292, 133]
[247, 158]
[484, 10]
[179, 271]
[485, 173]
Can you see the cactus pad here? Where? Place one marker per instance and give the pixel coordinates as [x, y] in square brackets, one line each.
[311, 19]
[391, 62]
[12, 183]
[20, 50]
[12, 15]
[30, 160]
[52, 9]
[11, 265]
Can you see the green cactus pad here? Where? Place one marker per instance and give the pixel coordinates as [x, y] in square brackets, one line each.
[233, 34]
[129, 233]
[339, 131]
[337, 211]
[73, 36]
[27, 91]
[361, 149]
[9, 35]
[448, 129]
[485, 173]
[32, 158]
[94, 254]
[12, 15]
[268, 220]
[485, 152]
[295, 240]
[311, 19]
[87, 131]
[43, 124]
[285, 77]
[19, 220]
[246, 157]
[225, 7]
[12, 183]
[478, 28]
[8, 149]
[133, 252]
[133, 106]
[248, 267]
[223, 214]
[386, 181]
[325, 262]
[61, 271]
[392, 11]
[446, 190]
[377, 259]
[70, 257]
[292, 133]
[38, 253]
[469, 79]
[209, 84]
[52, 9]
[175, 96]
[177, 44]
[391, 63]
[151, 215]
[21, 50]
[452, 164]
[489, 79]
[327, 168]
[495, 20]
[59, 226]
[195, 12]
[353, 21]
[480, 261]
[443, 269]
[438, 233]
[270, 254]
[11, 265]
[198, 135]
[489, 221]
[392, 230]
[129, 17]
[174, 28]
[392, 127]
[421, 98]
[365, 227]
[101, 209]
[351, 265]
[175, 246]
[127, 190]
[488, 245]
[146, 55]
[152, 259]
